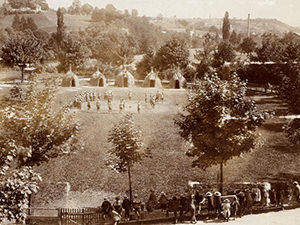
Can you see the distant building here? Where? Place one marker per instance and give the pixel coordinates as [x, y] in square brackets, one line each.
[98, 79]
[70, 79]
[125, 79]
[152, 80]
[177, 81]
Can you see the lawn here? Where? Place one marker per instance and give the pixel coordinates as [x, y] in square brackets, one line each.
[169, 169]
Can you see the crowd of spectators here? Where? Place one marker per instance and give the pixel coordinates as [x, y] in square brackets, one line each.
[197, 202]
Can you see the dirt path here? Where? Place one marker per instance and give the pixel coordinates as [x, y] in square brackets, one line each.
[290, 217]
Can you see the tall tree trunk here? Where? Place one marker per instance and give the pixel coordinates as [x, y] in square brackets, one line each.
[130, 188]
[221, 177]
[22, 74]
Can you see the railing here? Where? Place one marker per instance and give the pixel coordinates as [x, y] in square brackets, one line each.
[85, 216]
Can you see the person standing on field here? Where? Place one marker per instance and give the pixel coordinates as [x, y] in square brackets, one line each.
[98, 105]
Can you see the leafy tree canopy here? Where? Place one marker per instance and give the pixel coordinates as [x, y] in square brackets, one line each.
[33, 131]
[219, 121]
[174, 53]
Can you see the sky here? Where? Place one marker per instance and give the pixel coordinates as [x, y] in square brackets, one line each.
[287, 11]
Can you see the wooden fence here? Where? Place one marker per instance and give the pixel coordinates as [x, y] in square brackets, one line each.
[86, 216]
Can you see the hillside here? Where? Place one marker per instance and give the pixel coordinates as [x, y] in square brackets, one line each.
[257, 25]
[169, 169]
[47, 21]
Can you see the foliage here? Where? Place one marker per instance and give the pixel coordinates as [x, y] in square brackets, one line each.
[226, 27]
[60, 30]
[87, 9]
[75, 8]
[23, 23]
[15, 191]
[289, 92]
[36, 128]
[224, 53]
[248, 46]
[74, 52]
[24, 48]
[33, 131]
[145, 65]
[126, 141]
[32, 4]
[174, 53]
[219, 121]
[206, 56]
[234, 39]
[271, 49]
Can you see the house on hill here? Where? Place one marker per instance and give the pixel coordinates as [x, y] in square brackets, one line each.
[98, 79]
[152, 80]
[70, 79]
[177, 81]
[125, 79]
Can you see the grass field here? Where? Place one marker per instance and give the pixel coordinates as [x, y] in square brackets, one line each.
[169, 169]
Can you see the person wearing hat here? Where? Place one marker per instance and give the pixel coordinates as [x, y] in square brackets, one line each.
[242, 200]
[235, 206]
[193, 208]
[210, 203]
[136, 205]
[126, 204]
[226, 209]
[163, 201]
[297, 190]
[249, 201]
[218, 203]
[118, 205]
[152, 201]
[106, 207]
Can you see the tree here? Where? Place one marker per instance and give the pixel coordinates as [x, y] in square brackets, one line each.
[23, 48]
[219, 121]
[110, 8]
[60, 30]
[32, 4]
[145, 65]
[75, 8]
[126, 151]
[33, 131]
[224, 53]
[226, 27]
[174, 53]
[87, 9]
[16, 22]
[74, 52]
[206, 56]
[134, 13]
[248, 46]
[234, 39]
[271, 48]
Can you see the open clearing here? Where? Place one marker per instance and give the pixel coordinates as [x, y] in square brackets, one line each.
[169, 169]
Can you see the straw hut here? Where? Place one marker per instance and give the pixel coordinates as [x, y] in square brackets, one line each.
[125, 79]
[98, 79]
[152, 80]
[70, 79]
[177, 81]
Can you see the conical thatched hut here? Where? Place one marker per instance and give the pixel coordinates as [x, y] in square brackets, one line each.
[177, 81]
[125, 79]
[98, 79]
[70, 79]
[152, 80]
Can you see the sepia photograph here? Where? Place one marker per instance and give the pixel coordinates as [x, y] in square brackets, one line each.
[131, 112]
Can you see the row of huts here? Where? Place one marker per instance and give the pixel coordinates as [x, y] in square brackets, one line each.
[126, 79]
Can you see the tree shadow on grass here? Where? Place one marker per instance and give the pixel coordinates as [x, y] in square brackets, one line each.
[286, 148]
[273, 127]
